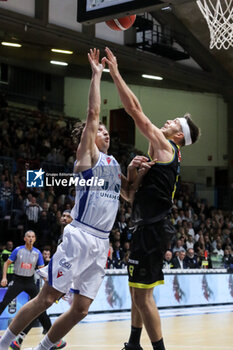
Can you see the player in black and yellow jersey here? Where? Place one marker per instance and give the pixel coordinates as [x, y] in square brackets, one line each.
[151, 207]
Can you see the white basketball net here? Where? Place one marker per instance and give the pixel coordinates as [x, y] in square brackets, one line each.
[219, 17]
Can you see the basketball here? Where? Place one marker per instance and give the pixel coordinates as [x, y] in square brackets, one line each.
[121, 23]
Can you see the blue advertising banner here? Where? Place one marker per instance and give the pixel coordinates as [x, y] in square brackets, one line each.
[11, 310]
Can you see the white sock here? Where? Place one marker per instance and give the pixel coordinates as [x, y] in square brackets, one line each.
[6, 339]
[45, 344]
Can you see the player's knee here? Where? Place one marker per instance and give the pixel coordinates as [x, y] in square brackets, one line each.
[79, 313]
[46, 301]
[141, 302]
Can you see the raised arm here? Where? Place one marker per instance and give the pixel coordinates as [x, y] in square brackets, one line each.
[132, 105]
[87, 152]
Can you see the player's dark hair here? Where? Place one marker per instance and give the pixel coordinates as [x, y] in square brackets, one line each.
[195, 132]
[77, 131]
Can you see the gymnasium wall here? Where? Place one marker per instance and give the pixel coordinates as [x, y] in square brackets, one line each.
[24, 7]
[209, 111]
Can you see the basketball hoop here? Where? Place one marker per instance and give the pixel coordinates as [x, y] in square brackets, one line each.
[219, 17]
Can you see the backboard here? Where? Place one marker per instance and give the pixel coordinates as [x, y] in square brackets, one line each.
[94, 11]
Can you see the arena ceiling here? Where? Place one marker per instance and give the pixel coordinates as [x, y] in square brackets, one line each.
[183, 17]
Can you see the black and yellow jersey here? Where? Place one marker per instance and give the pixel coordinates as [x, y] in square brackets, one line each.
[153, 200]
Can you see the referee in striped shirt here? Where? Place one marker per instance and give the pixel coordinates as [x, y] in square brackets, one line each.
[26, 259]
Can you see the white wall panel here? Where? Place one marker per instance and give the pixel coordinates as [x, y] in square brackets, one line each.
[64, 14]
[25, 7]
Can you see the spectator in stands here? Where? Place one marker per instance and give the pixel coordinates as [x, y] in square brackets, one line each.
[126, 247]
[46, 253]
[228, 257]
[50, 192]
[189, 243]
[5, 197]
[208, 245]
[227, 242]
[33, 211]
[181, 215]
[167, 261]
[117, 255]
[181, 232]
[218, 250]
[178, 246]
[190, 229]
[200, 244]
[180, 201]
[196, 221]
[116, 235]
[121, 224]
[52, 156]
[191, 260]
[226, 233]
[178, 261]
[41, 199]
[175, 217]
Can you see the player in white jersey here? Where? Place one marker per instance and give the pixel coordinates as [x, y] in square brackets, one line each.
[81, 257]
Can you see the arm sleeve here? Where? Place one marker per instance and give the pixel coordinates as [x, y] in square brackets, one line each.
[40, 261]
[13, 255]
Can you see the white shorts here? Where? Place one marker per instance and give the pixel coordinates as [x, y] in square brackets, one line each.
[78, 262]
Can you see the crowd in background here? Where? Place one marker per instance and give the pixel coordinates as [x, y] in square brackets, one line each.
[204, 234]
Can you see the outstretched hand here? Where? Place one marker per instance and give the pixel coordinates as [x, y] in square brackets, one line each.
[141, 163]
[111, 61]
[93, 58]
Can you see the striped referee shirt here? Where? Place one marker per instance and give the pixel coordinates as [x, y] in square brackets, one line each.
[26, 261]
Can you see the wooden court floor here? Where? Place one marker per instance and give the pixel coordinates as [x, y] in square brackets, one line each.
[196, 332]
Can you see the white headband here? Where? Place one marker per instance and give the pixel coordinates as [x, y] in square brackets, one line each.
[186, 131]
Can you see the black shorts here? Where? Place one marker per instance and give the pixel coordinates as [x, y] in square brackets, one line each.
[148, 245]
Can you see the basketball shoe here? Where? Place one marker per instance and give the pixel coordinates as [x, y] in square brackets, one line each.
[128, 346]
[15, 345]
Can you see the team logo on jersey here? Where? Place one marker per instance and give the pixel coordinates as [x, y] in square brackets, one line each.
[65, 264]
[108, 160]
[60, 273]
[35, 178]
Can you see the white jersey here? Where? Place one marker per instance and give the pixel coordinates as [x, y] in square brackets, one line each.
[96, 206]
